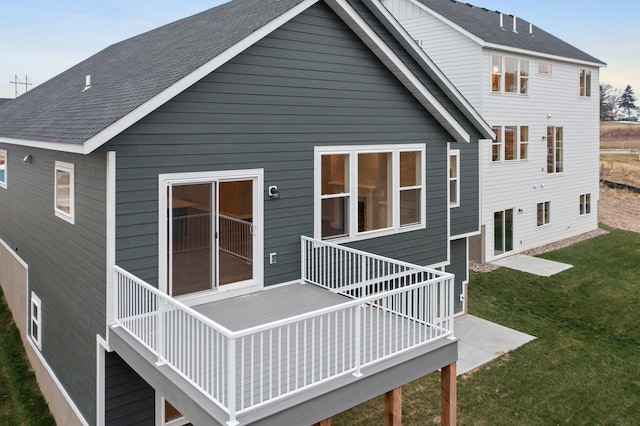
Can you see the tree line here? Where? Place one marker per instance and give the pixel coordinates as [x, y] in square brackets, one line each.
[614, 101]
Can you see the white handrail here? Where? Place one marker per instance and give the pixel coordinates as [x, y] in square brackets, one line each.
[391, 307]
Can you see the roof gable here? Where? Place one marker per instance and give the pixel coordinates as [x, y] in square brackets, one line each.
[132, 78]
[484, 25]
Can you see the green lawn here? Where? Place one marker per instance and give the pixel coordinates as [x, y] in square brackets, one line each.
[584, 366]
[20, 400]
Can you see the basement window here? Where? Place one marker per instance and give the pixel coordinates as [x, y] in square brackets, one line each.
[35, 320]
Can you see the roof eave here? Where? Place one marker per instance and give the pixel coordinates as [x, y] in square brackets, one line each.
[497, 46]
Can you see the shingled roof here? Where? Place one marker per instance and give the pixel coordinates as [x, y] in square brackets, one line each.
[131, 78]
[127, 74]
[485, 25]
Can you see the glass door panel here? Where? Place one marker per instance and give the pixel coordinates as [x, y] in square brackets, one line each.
[502, 232]
[235, 231]
[190, 244]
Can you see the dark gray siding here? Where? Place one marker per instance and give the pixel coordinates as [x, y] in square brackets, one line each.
[129, 400]
[466, 217]
[460, 268]
[66, 262]
[310, 83]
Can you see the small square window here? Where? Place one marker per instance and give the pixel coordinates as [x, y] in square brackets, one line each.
[35, 323]
[3, 168]
[65, 191]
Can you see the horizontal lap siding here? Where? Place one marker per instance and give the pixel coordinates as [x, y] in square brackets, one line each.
[310, 83]
[66, 262]
[465, 218]
[460, 269]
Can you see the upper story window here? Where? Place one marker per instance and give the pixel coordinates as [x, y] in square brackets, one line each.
[64, 195]
[555, 160]
[509, 75]
[3, 168]
[454, 178]
[585, 82]
[369, 191]
[545, 68]
[511, 143]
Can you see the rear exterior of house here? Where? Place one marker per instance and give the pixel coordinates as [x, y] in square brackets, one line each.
[540, 95]
[320, 126]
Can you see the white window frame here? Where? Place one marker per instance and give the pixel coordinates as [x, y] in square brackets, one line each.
[546, 213]
[500, 144]
[454, 155]
[67, 168]
[523, 143]
[521, 64]
[556, 151]
[584, 83]
[542, 72]
[3, 182]
[585, 204]
[352, 153]
[35, 319]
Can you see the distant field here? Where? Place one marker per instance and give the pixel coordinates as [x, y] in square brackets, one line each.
[619, 135]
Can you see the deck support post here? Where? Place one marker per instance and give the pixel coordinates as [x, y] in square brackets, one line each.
[393, 407]
[449, 399]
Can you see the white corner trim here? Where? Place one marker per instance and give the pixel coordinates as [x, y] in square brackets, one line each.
[61, 388]
[469, 110]
[398, 68]
[110, 237]
[101, 348]
[181, 85]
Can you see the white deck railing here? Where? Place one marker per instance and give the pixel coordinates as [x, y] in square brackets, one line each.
[391, 307]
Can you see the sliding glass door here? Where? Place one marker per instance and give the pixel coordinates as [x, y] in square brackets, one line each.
[210, 234]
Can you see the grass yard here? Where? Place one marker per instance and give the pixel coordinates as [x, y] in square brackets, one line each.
[20, 400]
[583, 369]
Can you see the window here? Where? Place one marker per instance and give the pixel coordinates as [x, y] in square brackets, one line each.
[545, 68]
[496, 145]
[554, 149]
[35, 323]
[369, 190]
[509, 75]
[585, 204]
[524, 142]
[511, 143]
[65, 191]
[543, 213]
[454, 178]
[3, 168]
[585, 83]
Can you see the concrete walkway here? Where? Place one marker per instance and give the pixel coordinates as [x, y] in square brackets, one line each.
[532, 265]
[482, 341]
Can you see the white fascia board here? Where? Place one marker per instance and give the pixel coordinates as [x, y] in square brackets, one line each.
[502, 47]
[52, 146]
[469, 110]
[453, 25]
[398, 68]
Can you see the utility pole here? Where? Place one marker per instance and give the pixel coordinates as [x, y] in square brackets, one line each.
[16, 81]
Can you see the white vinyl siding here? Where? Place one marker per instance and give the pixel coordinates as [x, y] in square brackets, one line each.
[551, 100]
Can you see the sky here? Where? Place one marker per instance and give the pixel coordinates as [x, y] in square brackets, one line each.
[42, 38]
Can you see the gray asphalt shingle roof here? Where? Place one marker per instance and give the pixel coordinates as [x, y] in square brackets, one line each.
[485, 24]
[129, 73]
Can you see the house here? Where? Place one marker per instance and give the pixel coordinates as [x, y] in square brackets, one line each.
[242, 216]
[540, 95]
